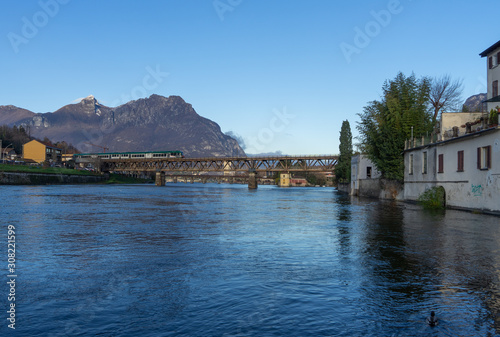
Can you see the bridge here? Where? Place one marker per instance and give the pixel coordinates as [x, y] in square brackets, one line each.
[250, 165]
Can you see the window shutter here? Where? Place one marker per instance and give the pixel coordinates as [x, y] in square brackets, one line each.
[488, 157]
[478, 158]
[498, 58]
[490, 59]
[460, 166]
[440, 163]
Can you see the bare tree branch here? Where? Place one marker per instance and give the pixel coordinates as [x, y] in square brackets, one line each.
[445, 94]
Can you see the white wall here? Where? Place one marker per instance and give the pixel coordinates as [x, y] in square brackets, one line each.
[473, 188]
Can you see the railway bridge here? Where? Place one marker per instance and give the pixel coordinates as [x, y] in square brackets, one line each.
[249, 166]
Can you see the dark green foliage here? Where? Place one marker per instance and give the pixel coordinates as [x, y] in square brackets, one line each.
[15, 136]
[433, 198]
[493, 120]
[386, 124]
[343, 167]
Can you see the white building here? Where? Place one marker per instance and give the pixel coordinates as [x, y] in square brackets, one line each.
[492, 55]
[467, 167]
[363, 174]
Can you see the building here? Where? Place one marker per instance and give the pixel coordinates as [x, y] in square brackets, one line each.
[467, 166]
[492, 55]
[284, 180]
[8, 153]
[364, 175]
[40, 152]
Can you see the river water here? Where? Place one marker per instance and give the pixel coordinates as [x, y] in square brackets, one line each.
[222, 260]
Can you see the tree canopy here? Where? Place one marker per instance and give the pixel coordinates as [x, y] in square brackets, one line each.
[387, 123]
[343, 167]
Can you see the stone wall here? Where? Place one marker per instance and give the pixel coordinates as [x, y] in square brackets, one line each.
[381, 188]
[14, 178]
[344, 188]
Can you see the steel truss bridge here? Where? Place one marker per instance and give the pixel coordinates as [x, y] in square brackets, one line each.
[221, 164]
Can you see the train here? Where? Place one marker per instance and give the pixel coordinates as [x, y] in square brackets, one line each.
[79, 157]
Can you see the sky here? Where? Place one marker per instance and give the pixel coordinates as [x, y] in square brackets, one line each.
[282, 75]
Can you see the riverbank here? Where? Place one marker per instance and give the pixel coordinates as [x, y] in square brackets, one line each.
[29, 175]
[25, 178]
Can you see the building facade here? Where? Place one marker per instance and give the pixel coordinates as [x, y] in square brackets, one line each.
[40, 152]
[492, 55]
[467, 167]
[364, 175]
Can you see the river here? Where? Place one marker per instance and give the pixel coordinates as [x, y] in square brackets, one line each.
[223, 260]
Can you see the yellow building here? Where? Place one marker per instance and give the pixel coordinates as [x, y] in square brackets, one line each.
[40, 152]
[284, 180]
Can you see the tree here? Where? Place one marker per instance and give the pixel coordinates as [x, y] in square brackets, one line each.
[445, 94]
[343, 167]
[386, 124]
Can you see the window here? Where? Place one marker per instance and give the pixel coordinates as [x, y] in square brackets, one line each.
[424, 163]
[484, 158]
[441, 163]
[410, 168]
[369, 172]
[460, 164]
[490, 62]
[494, 89]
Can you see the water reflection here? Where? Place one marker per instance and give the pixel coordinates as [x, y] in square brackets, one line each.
[217, 260]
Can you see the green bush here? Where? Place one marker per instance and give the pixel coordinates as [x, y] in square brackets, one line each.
[493, 117]
[433, 198]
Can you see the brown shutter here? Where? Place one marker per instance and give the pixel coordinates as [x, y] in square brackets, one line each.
[478, 158]
[490, 60]
[460, 166]
[488, 157]
[440, 163]
[498, 57]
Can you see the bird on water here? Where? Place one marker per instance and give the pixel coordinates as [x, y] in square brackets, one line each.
[432, 319]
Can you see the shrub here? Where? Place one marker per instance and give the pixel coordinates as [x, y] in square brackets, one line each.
[433, 198]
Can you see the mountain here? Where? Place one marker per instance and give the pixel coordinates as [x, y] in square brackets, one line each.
[156, 123]
[474, 103]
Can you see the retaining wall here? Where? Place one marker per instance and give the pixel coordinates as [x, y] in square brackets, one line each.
[18, 178]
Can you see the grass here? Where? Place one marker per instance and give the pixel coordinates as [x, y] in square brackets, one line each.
[37, 169]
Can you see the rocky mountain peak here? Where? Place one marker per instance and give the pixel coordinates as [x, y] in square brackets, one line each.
[156, 123]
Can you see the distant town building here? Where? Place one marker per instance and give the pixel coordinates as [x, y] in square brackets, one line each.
[492, 55]
[8, 153]
[284, 180]
[39, 152]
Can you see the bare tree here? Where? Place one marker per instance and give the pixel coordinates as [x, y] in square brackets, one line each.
[445, 94]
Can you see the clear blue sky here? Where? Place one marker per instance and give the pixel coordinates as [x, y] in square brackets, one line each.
[273, 72]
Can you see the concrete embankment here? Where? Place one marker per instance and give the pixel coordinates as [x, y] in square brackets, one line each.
[19, 178]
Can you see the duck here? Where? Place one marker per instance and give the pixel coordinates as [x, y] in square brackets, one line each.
[432, 319]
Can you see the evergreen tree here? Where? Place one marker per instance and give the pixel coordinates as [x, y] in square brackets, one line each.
[386, 124]
[343, 167]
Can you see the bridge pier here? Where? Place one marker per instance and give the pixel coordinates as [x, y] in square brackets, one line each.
[160, 178]
[252, 180]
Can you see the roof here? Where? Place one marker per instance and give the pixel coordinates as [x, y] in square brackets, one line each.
[490, 49]
[46, 144]
[454, 139]
[492, 100]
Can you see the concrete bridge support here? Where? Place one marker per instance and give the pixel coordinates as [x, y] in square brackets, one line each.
[252, 180]
[160, 179]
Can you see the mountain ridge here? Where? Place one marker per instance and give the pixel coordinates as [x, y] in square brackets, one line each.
[147, 124]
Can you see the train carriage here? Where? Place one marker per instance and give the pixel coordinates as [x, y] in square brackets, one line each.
[86, 157]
